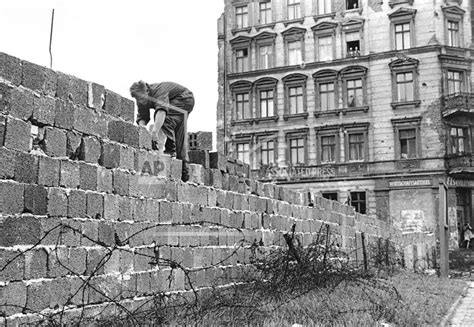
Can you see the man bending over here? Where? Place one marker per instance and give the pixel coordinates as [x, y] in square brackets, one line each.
[172, 103]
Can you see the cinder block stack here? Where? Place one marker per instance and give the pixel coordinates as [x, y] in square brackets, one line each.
[90, 214]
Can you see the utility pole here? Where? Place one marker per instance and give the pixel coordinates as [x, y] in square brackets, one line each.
[443, 224]
[51, 41]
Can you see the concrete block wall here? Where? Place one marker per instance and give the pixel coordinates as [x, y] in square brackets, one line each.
[91, 216]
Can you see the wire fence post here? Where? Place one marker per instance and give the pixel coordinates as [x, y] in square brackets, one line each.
[364, 252]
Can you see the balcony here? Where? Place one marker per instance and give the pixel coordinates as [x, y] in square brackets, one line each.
[461, 162]
[458, 103]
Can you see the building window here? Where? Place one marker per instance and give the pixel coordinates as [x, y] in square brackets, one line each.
[330, 195]
[265, 47]
[295, 94]
[453, 33]
[458, 137]
[402, 28]
[265, 58]
[324, 7]
[241, 60]
[326, 90]
[404, 82]
[265, 12]
[243, 152]
[405, 87]
[354, 93]
[267, 152]
[265, 89]
[293, 9]
[407, 138]
[327, 96]
[353, 44]
[294, 53]
[328, 148]
[356, 147]
[358, 201]
[242, 102]
[297, 151]
[241, 17]
[325, 48]
[402, 36]
[266, 103]
[455, 82]
[352, 4]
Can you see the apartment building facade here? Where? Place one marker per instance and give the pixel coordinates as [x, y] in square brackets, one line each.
[368, 102]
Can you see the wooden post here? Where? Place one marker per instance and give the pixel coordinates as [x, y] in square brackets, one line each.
[443, 230]
[364, 252]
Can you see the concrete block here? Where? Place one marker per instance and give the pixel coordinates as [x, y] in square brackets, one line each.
[17, 135]
[36, 199]
[36, 264]
[104, 180]
[20, 230]
[144, 138]
[95, 205]
[77, 204]
[16, 295]
[218, 161]
[90, 232]
[215, 178]
[26, 168]
[127, 109]
[91, 122]
[44, 111]
[88, 176]
[94, 263]
[73, 143]
[65, 114]
[111, 207]
[7, 163]
[72, 88]
[69, 174]
[55, 142]
[10, 68]
[57, 202]
[200, 157]
[39, 78]
[95, 95]
[125, 209]
[48, 171]
[106, 233]
[60, 290]
[121, 182]
[176, 168]
[11, 197]
[16, 101]
[113, 103]
[90, 149]
[16, 265]
[195, 173]
[115, 155]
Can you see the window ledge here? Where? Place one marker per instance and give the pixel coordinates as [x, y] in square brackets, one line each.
[406, 104]
[242, 122]
[392, 3]
[244, 29]
[354, 109]
[263, 119]
[293, 21]
[328, 15]
[327, 112]
[261, 27]
[295, 116]
[352, 11]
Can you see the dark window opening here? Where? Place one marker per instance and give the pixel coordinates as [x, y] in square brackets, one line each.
[352, 4]
[353, 48]
[330, 195]
[358, 201]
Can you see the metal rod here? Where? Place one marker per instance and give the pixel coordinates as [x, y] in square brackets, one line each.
[51, 41]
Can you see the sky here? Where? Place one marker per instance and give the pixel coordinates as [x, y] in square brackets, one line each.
[115, 43]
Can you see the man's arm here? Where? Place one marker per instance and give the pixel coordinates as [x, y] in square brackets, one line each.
[160, 116]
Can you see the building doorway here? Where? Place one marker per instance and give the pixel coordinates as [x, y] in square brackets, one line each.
[463, 209]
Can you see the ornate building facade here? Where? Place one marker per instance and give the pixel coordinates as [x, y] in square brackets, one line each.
[363, 101]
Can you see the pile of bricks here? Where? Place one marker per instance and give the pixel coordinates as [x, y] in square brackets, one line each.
[90, 214]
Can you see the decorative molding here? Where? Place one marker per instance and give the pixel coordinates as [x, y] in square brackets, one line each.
[261, 27]
[241, 30]
[293, 31]
[294, 21]
[393, 3]
[324, 26]
[303, 115]
[265, 119]
[354, 109]
[241, 40]
[406, 104]
[403, 12]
